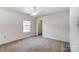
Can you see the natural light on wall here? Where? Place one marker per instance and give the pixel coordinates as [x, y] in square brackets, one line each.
[26, 26]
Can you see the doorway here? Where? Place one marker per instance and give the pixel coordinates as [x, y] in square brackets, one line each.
[39, 27]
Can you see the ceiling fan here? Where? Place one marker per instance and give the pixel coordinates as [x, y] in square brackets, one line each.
[34, 13]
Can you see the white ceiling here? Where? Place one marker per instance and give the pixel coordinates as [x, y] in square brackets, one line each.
[41, 10]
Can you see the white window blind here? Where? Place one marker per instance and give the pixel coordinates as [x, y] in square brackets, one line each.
[26, 26]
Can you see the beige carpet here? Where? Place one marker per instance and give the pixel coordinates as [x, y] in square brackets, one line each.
[36, 44]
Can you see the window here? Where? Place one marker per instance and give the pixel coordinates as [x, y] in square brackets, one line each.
[26, 26]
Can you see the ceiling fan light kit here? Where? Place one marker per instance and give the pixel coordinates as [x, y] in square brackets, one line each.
[34, 13]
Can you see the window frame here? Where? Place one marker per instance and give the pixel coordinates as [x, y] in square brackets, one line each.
[25, 26]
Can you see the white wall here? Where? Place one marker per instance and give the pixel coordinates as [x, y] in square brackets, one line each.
[74, 30]
[11, 26]
[56, 26]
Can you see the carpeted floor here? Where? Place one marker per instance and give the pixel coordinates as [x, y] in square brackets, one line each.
[36, 44]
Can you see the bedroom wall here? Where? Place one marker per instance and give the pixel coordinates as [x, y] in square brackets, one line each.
[11, 26]
[56, 26]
